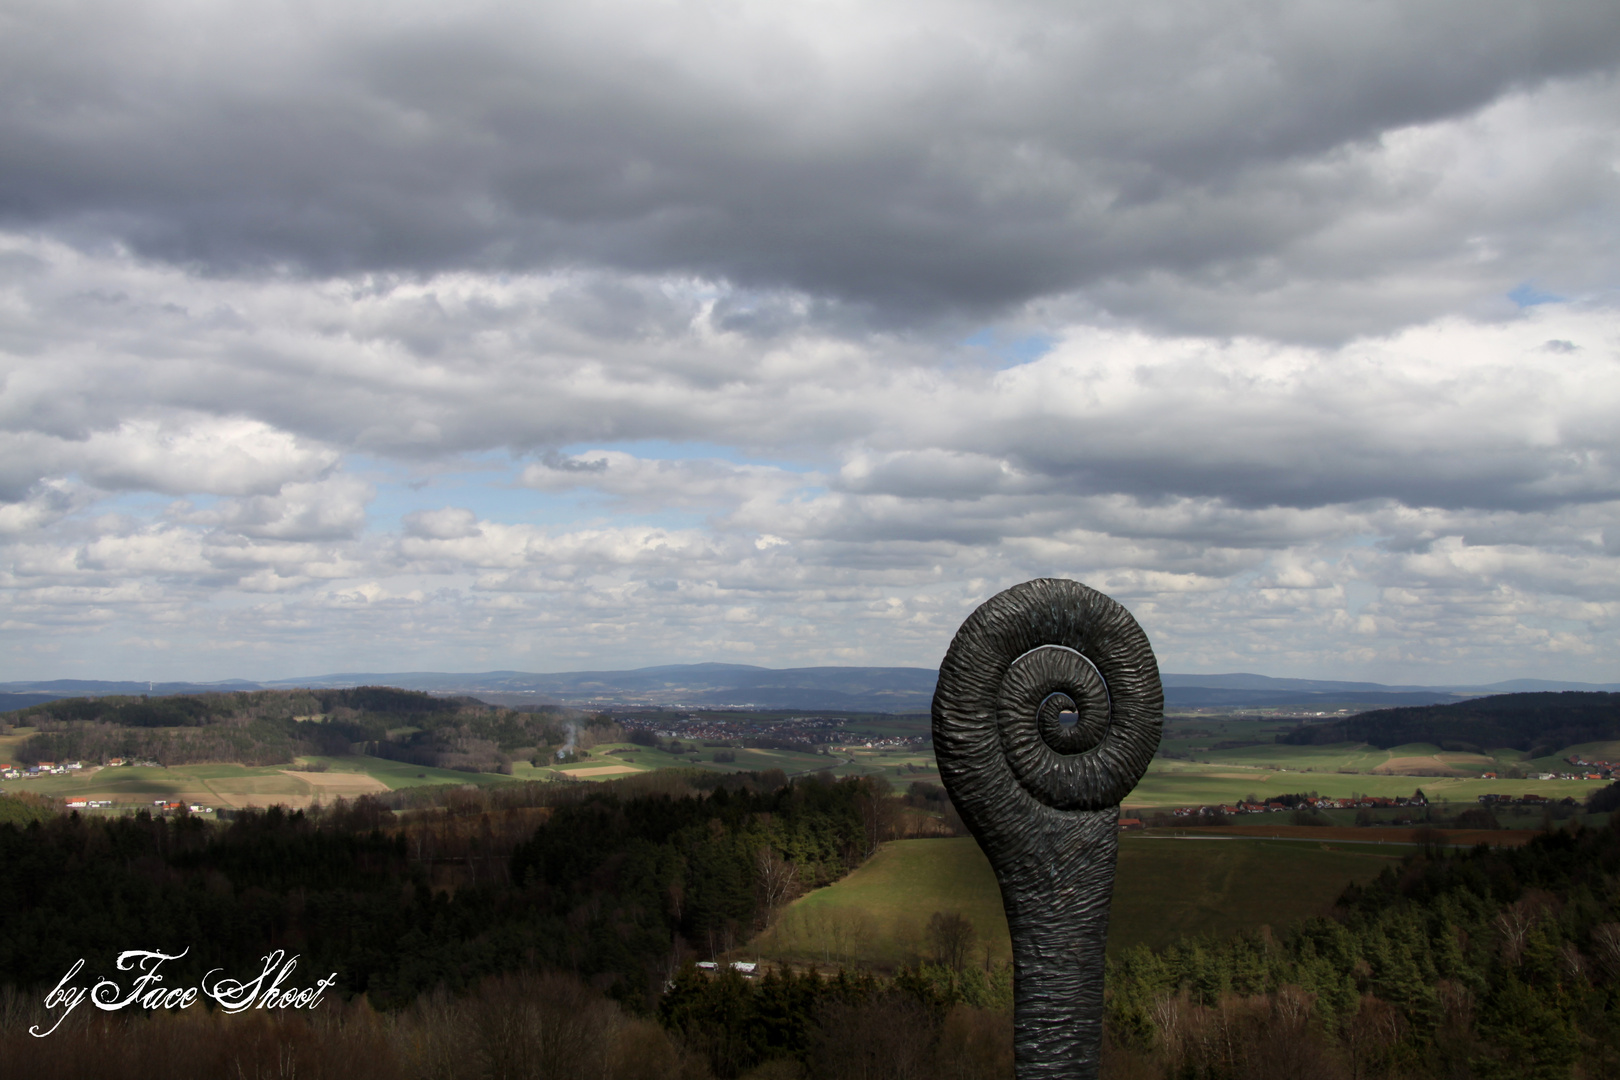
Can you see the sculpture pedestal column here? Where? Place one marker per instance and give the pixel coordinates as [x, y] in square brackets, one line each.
[1047, 712]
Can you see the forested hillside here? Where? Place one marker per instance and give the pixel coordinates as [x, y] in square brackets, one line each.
[1470, 965]
[615, 888]
[1494, 963]
[270, 727]
[1538, 723]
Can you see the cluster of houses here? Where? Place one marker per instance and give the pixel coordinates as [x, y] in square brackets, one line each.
[1594, 770]
[1526, 800]
[1553, 776]
[161, 806]
[1277, 806]
[799, 732]
[60, 768]
[170, 806]
[875, 743]
[806, 731]
[44, 768]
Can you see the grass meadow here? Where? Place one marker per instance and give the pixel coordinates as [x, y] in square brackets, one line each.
[627, 759]
[1168, 783]
[1190, 770]
[1166, 888]
[1183, 783]
[239, 786]
[877, 915]
[10, 743]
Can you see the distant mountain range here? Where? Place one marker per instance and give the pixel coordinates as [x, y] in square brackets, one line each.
[830, 689]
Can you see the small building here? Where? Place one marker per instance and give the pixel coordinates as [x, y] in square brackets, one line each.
[1127, 824]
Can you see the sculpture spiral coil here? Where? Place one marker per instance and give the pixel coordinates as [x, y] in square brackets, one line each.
[1042, 796]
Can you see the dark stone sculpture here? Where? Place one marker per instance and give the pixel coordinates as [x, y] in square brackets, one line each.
[1042, 796]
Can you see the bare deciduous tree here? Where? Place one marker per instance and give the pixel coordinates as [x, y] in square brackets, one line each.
[950, 939]
[880, 815]
[1514, 923]
[777, 879]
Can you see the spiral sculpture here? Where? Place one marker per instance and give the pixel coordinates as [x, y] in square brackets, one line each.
[1042, 795]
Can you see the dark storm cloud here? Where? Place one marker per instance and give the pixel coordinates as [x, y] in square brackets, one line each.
[904, 160]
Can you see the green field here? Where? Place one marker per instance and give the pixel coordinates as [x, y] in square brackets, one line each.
[349, 776]
[1180, 783]
[1412, 759]
[1168, 783]
[630, 758]
[878, 913]
[1166, 888]
[1171, 887]
[215, 785]
[10, 743]
[238, 786]
[898, 766]
[1189, 771]
[400, 774]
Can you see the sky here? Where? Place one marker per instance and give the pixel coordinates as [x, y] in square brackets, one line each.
[428, 337]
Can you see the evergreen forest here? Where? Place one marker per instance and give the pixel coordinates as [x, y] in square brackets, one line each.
[565, 944]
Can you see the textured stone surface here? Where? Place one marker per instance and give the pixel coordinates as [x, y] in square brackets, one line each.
[1042, 797]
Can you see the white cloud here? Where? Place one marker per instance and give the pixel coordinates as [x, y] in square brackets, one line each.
[449, 523]
[1237, 484]
[46, 503]
[223, 456]
[658, 483]
[331, 508]
[516, 336]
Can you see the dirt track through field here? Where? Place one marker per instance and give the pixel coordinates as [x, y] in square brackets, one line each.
[1428, 765]
[330, 785]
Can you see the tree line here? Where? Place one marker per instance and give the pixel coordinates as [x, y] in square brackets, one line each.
[1540, 724]
[272, 727]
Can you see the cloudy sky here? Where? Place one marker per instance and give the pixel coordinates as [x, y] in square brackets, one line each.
[551, 336]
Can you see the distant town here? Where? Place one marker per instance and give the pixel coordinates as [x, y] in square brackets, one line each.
[793, 733]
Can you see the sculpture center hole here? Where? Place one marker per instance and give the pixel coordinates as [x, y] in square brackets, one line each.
[1067, 726]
